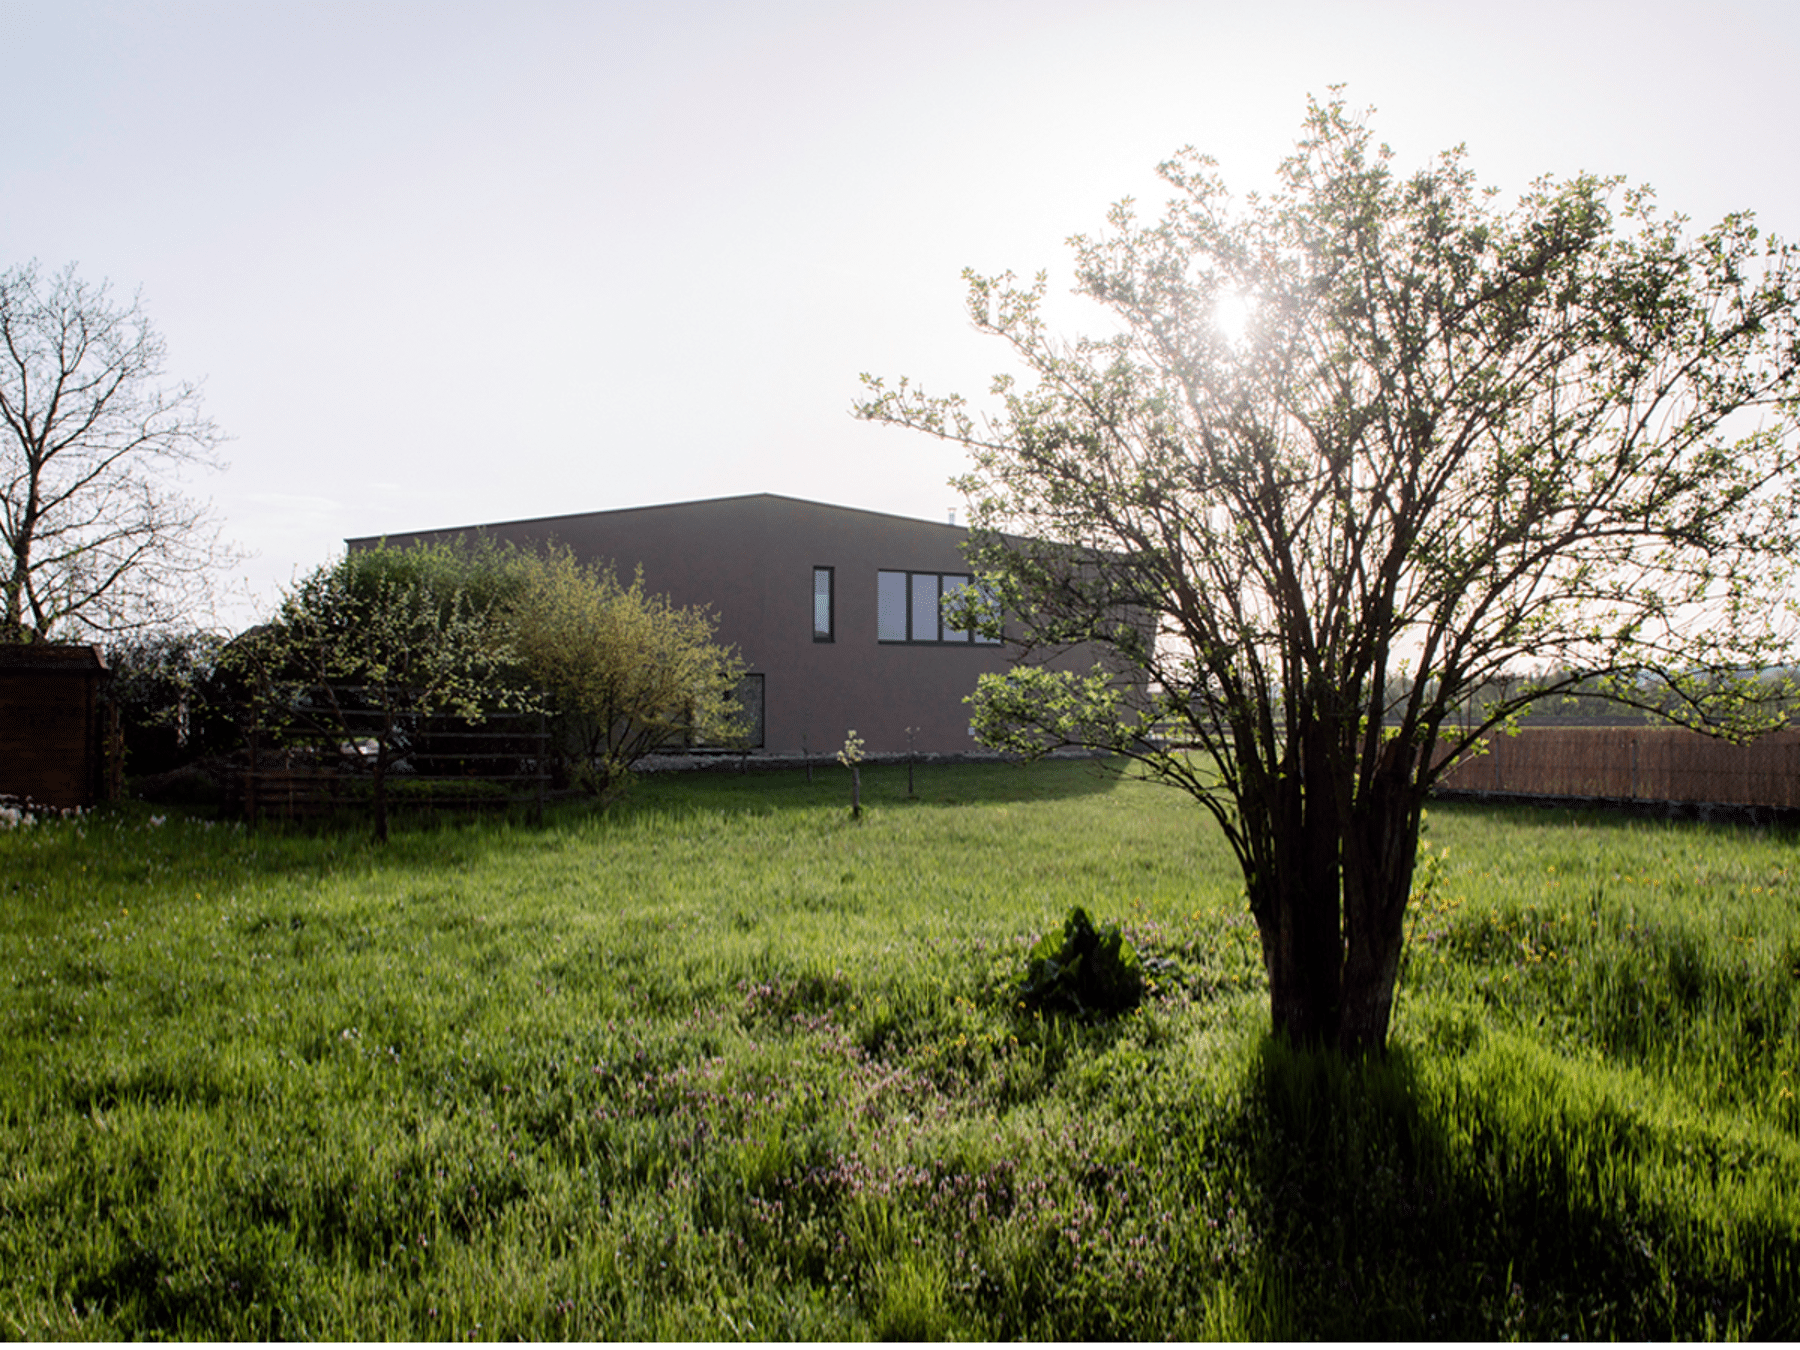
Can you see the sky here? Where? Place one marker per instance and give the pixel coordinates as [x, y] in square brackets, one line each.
[442, 264]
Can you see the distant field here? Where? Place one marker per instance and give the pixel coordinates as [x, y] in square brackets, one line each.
[722, 1063]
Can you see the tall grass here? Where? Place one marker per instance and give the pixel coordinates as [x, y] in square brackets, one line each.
[721, 1063]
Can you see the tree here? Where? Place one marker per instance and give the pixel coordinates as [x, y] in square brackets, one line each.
[631, 673]
[1387, 464]
[369, 649]
[171, 703]
[93, 536]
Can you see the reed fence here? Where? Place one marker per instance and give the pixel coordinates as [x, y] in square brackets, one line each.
[1645, 763]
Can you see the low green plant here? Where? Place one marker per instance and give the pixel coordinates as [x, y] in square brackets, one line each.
[1082, 970]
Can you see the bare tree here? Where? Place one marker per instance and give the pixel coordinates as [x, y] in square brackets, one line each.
[1369, 448]
[95, 534]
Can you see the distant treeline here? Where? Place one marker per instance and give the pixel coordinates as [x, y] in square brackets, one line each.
[1604, 702]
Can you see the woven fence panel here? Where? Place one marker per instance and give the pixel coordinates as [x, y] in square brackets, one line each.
[1651, 763]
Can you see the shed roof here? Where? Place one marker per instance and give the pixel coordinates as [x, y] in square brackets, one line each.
[52, 658]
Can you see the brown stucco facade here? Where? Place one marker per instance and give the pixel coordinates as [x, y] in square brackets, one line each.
[752, 561]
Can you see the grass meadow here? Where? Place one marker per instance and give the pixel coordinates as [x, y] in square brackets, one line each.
[721, 1063]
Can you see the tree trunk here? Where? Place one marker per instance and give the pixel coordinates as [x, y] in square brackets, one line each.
[1380, 849]
[1330, 894]
[1303, 944]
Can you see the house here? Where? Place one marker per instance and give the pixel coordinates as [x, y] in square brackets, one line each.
[833, 610]
[52, 724]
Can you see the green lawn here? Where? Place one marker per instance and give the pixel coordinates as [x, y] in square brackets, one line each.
[722, 1063]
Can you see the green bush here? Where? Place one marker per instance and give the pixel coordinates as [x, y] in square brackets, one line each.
[1082, 970]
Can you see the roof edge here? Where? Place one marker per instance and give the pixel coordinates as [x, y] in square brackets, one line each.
[654, 506]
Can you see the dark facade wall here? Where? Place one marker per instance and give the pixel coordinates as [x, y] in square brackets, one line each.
[50, 734]
[751, 560]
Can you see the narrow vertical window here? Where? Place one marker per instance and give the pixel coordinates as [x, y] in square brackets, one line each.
[990, 611]
[890, 607]
[823, 617]
[953, 584]
[924, 618]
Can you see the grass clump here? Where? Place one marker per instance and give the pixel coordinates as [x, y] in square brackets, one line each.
[720, 1063]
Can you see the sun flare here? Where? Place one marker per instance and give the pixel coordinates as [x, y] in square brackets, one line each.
[1231, 315]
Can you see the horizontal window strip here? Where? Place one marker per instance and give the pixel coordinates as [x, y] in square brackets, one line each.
[909, 609]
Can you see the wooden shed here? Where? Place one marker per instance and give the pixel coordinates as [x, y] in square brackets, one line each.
[52, 732]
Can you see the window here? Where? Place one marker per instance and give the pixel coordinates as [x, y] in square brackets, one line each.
[749, 698]
[909, 608]
[925, 626]
[824, 629]
[890, 606]
[953, 584]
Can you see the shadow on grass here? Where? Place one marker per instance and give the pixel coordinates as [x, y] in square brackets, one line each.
[1390, 1210]
[424, 841]
[1622, 817]
[751, 791]
[883, 785]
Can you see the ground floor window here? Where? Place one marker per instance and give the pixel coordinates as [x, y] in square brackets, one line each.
[749, 696]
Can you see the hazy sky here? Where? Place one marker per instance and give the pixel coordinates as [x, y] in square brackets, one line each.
[446, 263]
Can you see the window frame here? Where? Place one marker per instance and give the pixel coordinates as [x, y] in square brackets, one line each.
[830, 631]
[963, 637]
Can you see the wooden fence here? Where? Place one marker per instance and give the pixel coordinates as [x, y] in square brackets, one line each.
[1646, 763]
[306, 792]
[315, 768]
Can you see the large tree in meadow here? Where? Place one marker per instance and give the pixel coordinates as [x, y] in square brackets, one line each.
[1367, 449]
